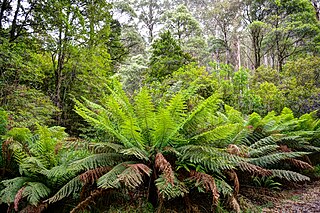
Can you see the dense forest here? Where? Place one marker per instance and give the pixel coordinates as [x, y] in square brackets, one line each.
[157, 106]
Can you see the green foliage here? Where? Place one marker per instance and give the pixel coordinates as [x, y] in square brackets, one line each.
[167, 57]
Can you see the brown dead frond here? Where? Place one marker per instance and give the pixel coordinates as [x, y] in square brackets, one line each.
[90, 199]
[17, 198]
[132, 177]
[253, 169]
[165, 167]
[234, 177]
[299, 164]
[233, 149]
[35, 209]
[233, 203]
[284, 148]
[207, 181]
[90, 176]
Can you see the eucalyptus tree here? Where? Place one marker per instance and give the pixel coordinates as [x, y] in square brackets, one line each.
[149, 13]
[294, 24]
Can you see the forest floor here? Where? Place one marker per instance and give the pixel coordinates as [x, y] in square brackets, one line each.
[304, 199]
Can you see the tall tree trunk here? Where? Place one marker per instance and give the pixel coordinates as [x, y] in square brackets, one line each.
[3, 8]
[14, 22]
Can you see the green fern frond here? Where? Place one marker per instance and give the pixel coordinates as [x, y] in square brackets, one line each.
[289, 175]
[119, 94]
[165, 127]
[99, 118]
[35, 192]
[136, 152]
[272, 159]
[132, 132]
[253, 169]
[224, 188]
[169, 191]
[73, 186]
[12, 186]
[177, 108]
[201, 113]
[32, 166]
[145, 110]
[211, 158]
[220, 134]
[111, 178]
[264, 150]
[105, 147]
[264, 142]
[94, 161]
[58, 174]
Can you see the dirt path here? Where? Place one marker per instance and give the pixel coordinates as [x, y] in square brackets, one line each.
[305, 199]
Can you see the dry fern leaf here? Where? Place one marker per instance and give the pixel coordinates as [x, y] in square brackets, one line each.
[299, 164]
[132, 177]
[253, 169]
[90, 176]
[165, 167]
[233, 203]
[234, 177]
[84, 204]
[208, 183]
[17, 198]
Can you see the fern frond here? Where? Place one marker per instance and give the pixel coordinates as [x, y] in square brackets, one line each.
[271, 159]
[110, 179]
[99, 118]
[177, 108]
[132, 176]
[35, 191]
[268, 149]
[253, 169]
[105, 147]
[208, 183]
[119, 94]
[136, 152]
[145, 110]
[224, 188]
[169, 191]
[17, 199]
[92, 175]
[58, 174]
[165, 127]
[165, 167]
[132, 132]
[211, 158]
[299, 164]
[12, 186]
[289, 175]
[201, 113]
[95, 161]
[219, 133]
[264, 142]
[72, 186]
